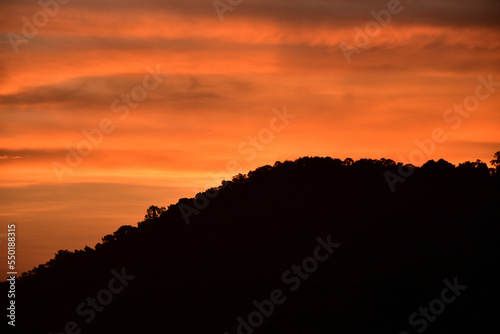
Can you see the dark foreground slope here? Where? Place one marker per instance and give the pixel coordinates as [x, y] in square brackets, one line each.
[398, 252]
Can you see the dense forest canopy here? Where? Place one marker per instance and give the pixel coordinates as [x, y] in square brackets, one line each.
[199, 264]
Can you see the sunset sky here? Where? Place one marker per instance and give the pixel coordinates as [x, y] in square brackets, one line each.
[358, 79]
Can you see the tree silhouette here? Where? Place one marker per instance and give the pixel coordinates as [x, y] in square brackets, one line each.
[496, 161]
[348, 162]
[153, 212]
[396, 250]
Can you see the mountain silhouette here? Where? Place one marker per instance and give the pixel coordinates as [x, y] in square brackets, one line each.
[315, 245]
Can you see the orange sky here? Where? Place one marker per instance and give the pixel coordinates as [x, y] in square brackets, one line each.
[221, 82]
